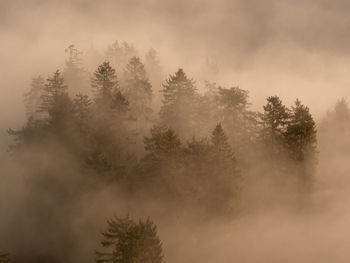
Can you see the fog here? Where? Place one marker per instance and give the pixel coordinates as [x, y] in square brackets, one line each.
[54, 208]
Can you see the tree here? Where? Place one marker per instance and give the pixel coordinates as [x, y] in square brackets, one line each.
[163, 140]
[131, 242]
[274, 120]
[212, 170]
[220, 143]
[82, 106]
[32, 99]
[160, 168]
[120, 104]
[74, 74]
[232, 109]
[53, 90]
[301, 139]
[152, 62]
[110, 134]
[57, 119]
[137, 89]
[155, 72]
[104, 83]
[342, 111]
[179, 103]
[120, 54]
[334, 129]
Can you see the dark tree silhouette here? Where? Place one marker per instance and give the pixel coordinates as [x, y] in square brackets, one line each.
[104, 83]
[131, 242]
[301, 139]
[179, 103]
[274, 121]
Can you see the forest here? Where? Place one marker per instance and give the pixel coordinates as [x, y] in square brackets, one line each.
[158, 146]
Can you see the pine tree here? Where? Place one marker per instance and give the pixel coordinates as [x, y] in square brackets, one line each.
[110, 134]
[225, 180]
[220, 143]
[162, 141]
[342, 111]
[335, 128]
[120, 54]
[131, 242]
[179, 104]
[74, 74]
[161, 167]
[152, 61]
[301, 139]
[120, 104]
[137, 89]
[82, 105]
[32, 99]
[104, 83]
[156, 74]
[53, 91]
[274, 120]
[232, 109]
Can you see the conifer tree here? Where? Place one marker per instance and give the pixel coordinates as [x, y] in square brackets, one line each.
[152, 61]
[301, 139]
[232, 109]
[120, 104]
[162, 141]
[225, 181]
[32, 99]
[155, 71]
[131, 242]
[104, 83]
[56, 115]
[161, 166]
[220, 143]
[179, 103]
[82, 105]
[110, 135]
[342, 111]
[74, 74]
[137, 89]
[53, 91]
[274, 121]
[120, 54]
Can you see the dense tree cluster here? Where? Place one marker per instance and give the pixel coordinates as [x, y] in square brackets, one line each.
[115, 132]
[198, 148]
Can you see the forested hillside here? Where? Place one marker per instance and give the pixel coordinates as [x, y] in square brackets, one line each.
[200, 152]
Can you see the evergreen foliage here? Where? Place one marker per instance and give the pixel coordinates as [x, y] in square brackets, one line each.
[179, 103]
[197, 153]
[137, 89]
[131, 242]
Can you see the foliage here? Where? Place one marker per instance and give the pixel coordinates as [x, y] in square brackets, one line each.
[178, 109]
[131, 242]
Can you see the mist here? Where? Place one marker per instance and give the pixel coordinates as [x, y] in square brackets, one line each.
[268, 198]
